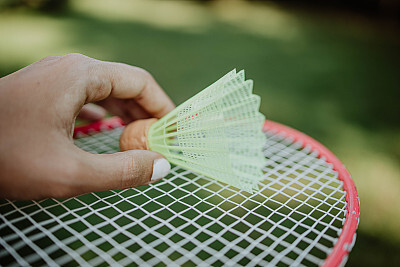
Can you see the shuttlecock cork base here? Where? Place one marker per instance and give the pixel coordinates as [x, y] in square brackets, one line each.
[135, 135]
[217, 133]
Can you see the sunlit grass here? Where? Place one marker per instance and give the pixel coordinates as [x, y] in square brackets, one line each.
[187, 16]
[262, 19]
[27, 38]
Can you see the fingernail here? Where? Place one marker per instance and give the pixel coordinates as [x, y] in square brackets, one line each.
[161, 169]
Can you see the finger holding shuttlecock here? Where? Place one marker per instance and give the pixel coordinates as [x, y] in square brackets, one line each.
[217, 133]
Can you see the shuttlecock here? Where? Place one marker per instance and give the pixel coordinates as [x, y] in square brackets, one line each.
[217, 133]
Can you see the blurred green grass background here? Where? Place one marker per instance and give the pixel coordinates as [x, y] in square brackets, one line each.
[333, 74]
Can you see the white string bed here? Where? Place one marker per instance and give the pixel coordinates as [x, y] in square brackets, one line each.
[186, 219]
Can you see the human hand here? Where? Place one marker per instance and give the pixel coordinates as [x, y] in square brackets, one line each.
[38, 107]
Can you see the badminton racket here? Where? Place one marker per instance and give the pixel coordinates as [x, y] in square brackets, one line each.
[305, 213]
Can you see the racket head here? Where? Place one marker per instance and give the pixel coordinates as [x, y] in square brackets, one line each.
[347, 235]
[306, 213]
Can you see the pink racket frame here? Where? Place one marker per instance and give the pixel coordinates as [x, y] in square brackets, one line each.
[347, 237]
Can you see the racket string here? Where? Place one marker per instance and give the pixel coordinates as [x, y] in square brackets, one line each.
[294, 219]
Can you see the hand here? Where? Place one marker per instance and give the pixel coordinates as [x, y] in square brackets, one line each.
[38, 107]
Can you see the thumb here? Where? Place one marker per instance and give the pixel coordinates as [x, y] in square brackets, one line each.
[121, 170]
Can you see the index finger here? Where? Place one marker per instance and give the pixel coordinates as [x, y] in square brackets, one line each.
[127, 82]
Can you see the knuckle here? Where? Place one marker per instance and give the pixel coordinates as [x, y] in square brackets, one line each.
[146, 80]
[135, 170]
[75, 61]
[143, 72]
[145, 75]
[98, 86]
[90, 72]
[74, 57]
[129, 171]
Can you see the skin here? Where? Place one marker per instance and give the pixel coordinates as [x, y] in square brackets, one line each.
[38, 107]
